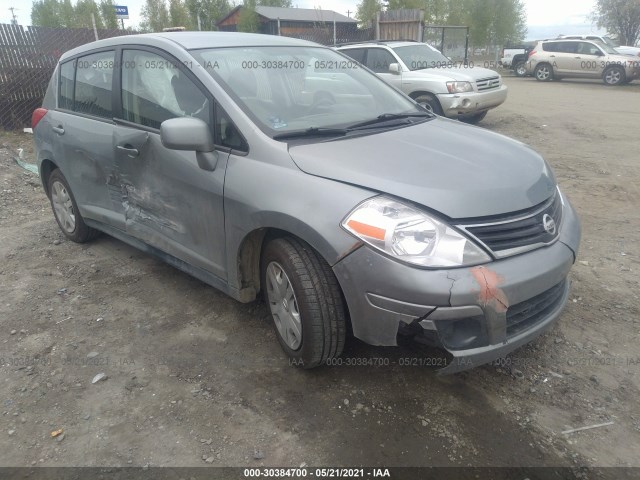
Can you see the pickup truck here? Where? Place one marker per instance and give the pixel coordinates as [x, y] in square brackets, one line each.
[515, 58]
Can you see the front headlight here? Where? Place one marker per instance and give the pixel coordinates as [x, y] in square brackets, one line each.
[459, 87]
[411, 235]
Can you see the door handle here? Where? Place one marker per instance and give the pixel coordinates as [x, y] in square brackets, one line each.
[577, 58]
[552, 56]
[130, 151]
[59, 130]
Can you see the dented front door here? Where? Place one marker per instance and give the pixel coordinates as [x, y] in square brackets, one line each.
[167, 201]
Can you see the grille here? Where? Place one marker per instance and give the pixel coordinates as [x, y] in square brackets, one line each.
[488, 83]
[510, 234]
[526, 314]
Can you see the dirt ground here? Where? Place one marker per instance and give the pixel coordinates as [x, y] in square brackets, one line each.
[196, 379]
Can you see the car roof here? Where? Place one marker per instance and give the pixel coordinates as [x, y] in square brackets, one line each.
[194, 40]
[570, 37]
[569, 40]
[389, 43]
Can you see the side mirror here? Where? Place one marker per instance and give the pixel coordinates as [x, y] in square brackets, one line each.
[395, 68]
[187, 133]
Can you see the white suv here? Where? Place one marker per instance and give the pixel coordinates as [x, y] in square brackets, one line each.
[452, 89]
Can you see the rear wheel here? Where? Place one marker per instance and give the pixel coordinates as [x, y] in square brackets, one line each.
[305, 300]
[520, 69]
[429, 101]
[543, 72]
[66, 210]
[614, 76]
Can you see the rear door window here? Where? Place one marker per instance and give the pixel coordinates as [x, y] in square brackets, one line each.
[356, 53]
[93, 84]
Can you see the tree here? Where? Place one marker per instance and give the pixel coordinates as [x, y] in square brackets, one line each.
[63, 14]
[180, 16]
[155, 16]
[248, 20]
[276, 3]
[44, 13]
[108, 13]
[367, 11]
[67, 14]
[209, 11]
[620, 18]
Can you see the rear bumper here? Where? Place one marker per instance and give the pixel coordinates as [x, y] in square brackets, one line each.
[470, 312]
[471, 103]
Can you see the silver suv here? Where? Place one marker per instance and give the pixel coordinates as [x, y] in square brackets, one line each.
[452, 89]
[555, 59]
[265, 164]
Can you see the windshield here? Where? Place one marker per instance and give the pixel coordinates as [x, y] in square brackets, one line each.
[421, 56]
[606, 48]
[286, 89]
[611, 42]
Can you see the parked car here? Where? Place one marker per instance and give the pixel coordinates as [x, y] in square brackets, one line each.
[621, 49]
[515, 58]
[360, 210]
[556, 59]
[452, 89]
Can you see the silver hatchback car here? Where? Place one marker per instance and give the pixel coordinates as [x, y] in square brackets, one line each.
[263, 164]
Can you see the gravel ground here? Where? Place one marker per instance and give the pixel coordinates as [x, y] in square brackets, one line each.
[194, 378]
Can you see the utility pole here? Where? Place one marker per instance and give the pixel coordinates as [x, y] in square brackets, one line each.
[93, 22]
[349, 13]
[14, 19]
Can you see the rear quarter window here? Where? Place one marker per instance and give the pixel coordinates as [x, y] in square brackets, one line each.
[67, 72]
[356, 53]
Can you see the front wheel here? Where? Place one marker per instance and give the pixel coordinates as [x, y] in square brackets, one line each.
[429, 101]
[543, 72]
[305, 300]
[520, 69]
[614, 76]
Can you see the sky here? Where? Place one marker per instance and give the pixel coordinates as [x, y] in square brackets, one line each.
[545, 18]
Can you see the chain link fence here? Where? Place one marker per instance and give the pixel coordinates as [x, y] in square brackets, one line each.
[28, 56]
[328, 34]
[452, 41]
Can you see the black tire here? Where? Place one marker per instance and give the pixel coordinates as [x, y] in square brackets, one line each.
[614, 76]
[317, 300]
[430, 101]
[543, 72]
[78, 231]
[474, 119]
[520, 69]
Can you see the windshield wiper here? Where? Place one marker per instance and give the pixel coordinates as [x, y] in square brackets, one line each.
[311, 132]
[386, 117]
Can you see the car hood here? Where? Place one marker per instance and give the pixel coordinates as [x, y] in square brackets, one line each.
[454, 73]
[458, 170]
[626, 50]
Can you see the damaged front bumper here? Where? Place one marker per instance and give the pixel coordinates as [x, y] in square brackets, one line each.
[477, 314]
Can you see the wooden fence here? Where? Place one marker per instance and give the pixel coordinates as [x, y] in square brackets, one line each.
[400, 25]
[28, 56]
